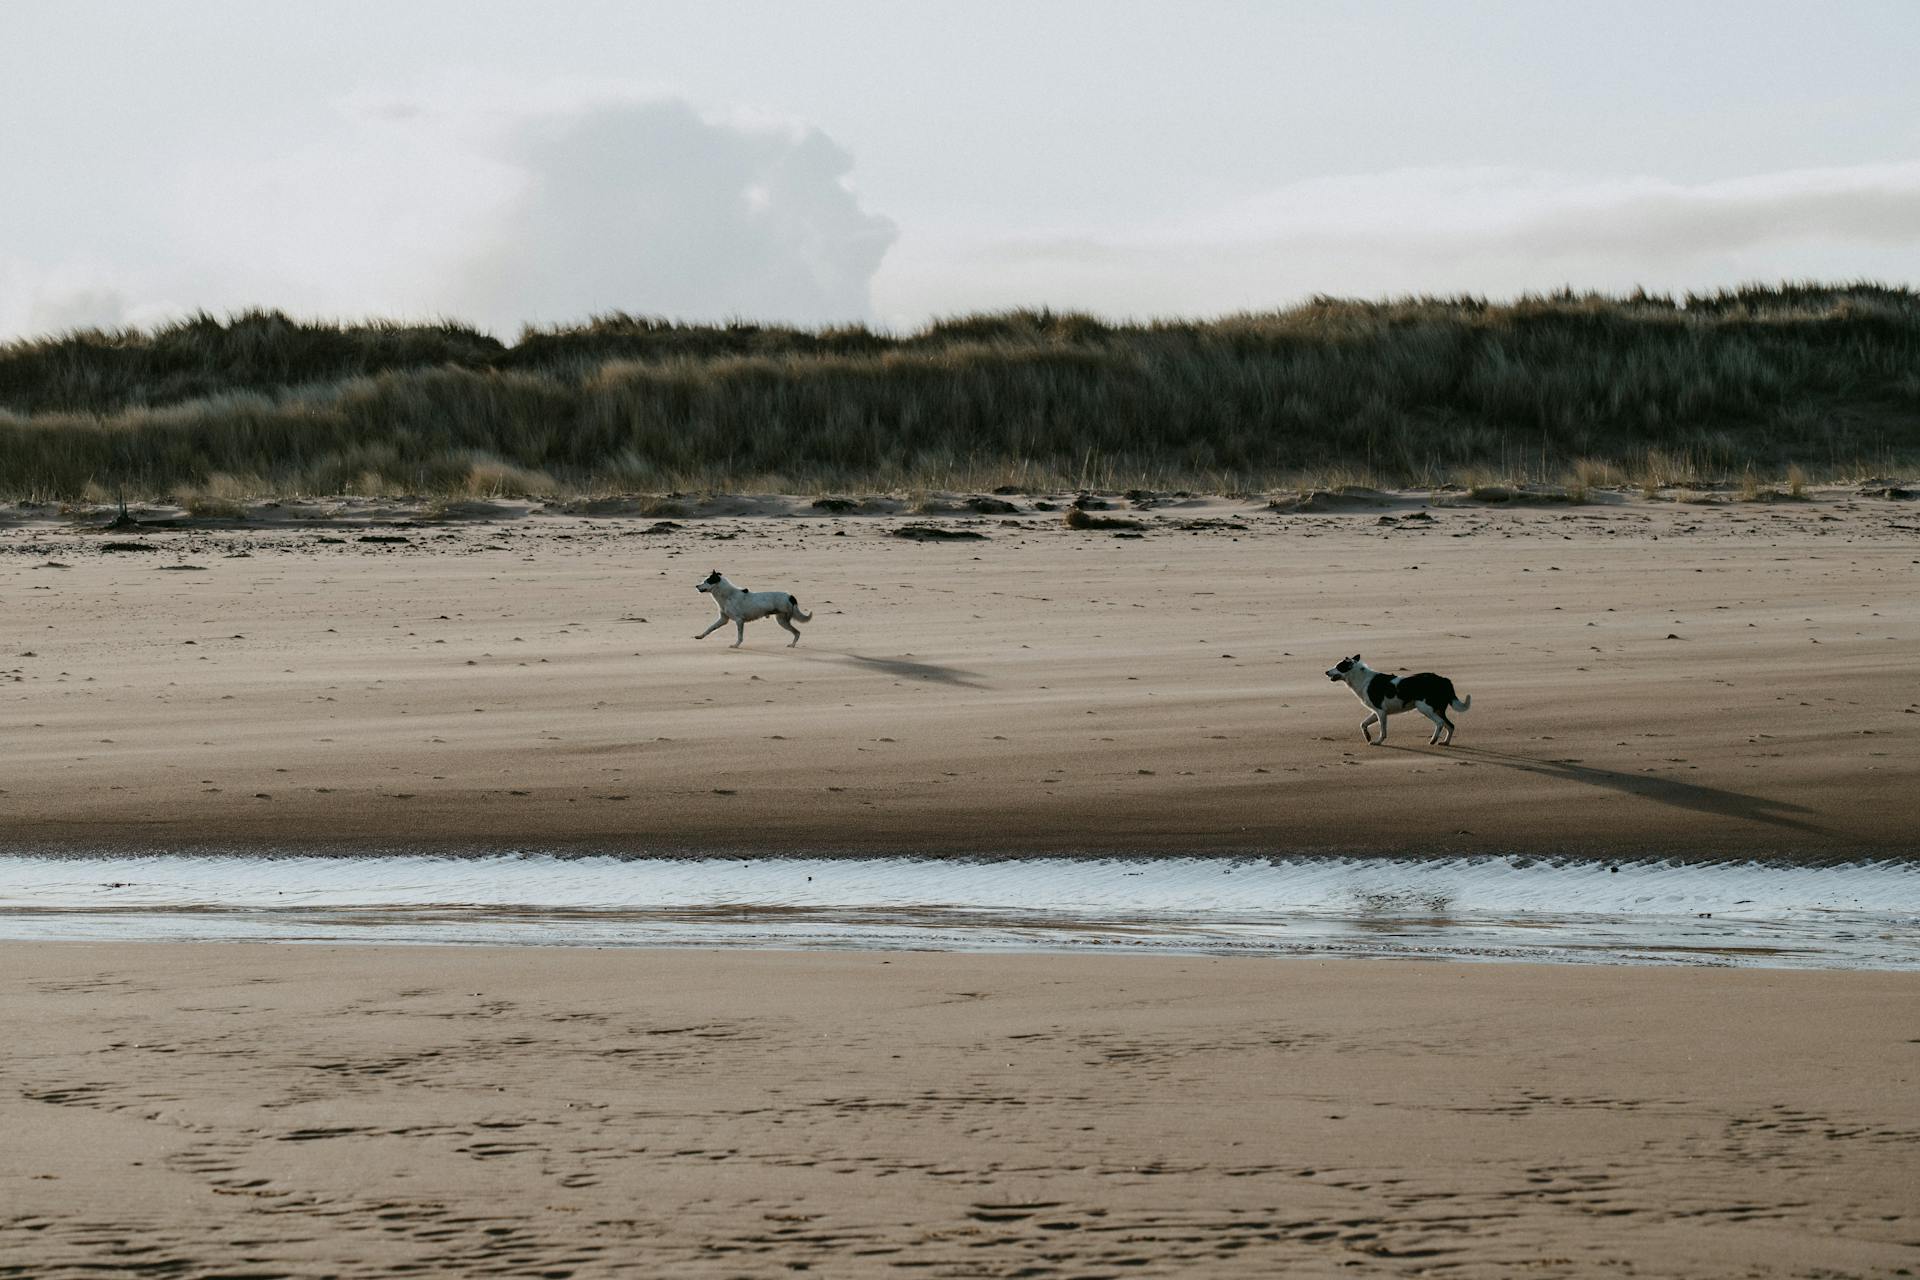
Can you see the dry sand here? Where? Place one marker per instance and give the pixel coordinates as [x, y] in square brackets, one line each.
[201, 1110]
[1647, 677]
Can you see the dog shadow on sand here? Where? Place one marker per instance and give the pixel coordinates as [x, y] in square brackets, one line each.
[1668, 791]
[898, 668]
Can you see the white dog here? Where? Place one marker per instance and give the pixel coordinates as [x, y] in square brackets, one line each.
[1387, 695]
[740, 607]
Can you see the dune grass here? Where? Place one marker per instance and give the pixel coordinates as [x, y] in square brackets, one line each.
[1585, 390]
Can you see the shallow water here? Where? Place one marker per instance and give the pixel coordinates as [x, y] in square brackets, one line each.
[1857, 916]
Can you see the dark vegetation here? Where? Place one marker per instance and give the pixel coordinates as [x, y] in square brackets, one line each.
[1417, 391]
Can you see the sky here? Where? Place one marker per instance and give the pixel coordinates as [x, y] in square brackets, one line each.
[895, 161]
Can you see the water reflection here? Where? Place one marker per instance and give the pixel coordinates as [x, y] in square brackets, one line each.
[1863, 915]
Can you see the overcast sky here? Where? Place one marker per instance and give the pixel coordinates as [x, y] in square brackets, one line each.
[894, 161]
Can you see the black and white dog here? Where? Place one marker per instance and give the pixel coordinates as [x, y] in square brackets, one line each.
[1387, 695]
[740, 607]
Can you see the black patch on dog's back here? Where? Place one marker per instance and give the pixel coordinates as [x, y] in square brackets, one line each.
[1435, 691]
[1380, 689]
[793, 603]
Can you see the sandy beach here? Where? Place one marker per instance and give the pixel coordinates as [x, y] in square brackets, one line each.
[1693, 679]
[203, 1109]
[1649, 678]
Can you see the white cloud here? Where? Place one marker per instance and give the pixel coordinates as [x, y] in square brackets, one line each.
[544, 205]
[1487, 231]
[653, 208]
[547, 202]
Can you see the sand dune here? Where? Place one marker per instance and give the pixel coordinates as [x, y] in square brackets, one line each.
[1647, 677]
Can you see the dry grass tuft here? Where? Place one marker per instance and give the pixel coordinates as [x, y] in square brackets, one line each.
[491, 478]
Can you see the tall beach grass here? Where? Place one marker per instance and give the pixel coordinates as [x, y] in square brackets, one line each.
[1583, 389]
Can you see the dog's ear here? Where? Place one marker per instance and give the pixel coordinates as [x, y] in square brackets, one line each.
[1356, 657]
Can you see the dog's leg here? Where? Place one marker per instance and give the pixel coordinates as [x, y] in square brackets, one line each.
[1374, 718]
[792, 630]
[739, 632]
[1439, 722]
[718, 623]
[1381, 741]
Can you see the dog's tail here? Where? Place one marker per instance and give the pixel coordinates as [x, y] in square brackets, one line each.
[1462, 704]
[795, 612]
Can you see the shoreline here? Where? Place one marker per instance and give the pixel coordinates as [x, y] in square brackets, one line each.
[1858, 917]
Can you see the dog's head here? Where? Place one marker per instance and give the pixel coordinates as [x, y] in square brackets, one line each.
[1338, 671]
[709, 582]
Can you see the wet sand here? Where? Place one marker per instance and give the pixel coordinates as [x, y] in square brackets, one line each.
[1648, 678]
[203, 1109]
